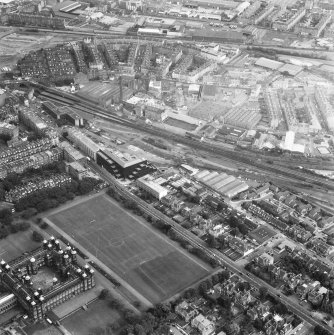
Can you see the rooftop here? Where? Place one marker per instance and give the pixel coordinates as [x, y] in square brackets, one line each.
[123, 159]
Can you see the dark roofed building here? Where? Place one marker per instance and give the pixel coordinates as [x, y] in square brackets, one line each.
[123, 165]
[65, 113]
[104, 94]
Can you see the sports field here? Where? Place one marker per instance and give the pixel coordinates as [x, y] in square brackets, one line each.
[152, 265]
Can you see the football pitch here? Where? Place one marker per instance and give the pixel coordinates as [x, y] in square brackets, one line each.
[152, 265]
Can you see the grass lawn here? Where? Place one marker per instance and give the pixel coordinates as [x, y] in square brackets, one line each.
[15, 245]
[98, 314]
[152, 265]
[41, 328]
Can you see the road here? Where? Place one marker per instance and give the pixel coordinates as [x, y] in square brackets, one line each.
[221, 258]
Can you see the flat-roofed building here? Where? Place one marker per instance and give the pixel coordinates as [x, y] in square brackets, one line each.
[76, 170]
[236, 190]
[225, 182]
[87, 145]
[123, 165]
[104, 94]
[70, 153]
[209, 176]
[202, 174]
[148, 184]
[64, 113]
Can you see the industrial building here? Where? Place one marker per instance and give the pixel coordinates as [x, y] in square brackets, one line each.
[104, 94]
[87, 145]
[325, 106]
[23, 277]
[70, 153]
[148, 184]
[63, 113]
[123, 165]
[223, 183]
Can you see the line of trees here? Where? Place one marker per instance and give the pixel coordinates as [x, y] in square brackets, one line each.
[50, 198]
[164, 227]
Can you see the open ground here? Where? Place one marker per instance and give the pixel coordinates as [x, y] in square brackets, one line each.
[98, 314]
[150, 264]
[15, 245]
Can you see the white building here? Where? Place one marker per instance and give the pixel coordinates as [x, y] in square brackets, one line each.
[88, 146]
[204, 325]
[148, 184]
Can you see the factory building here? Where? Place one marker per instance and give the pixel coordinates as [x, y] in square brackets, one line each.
[123, 165]
[104, 94]
[148, 184]
[64, 113]
[88, 146]
[23, 277]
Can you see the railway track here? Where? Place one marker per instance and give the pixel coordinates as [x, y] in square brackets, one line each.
[239, 158]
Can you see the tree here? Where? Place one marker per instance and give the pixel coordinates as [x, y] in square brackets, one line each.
[44, 225]
[6, 216]
[211, 241]
[4, 232]
[28, 213]
[23, 225]
[258, 324]
[232, 328]
[104, 294]
[137, 304]
[263, 291]
[139, 329]
[225, 302]
[224, 275]
[162, 309]
[2, 193]
[190, 293]
[37, 237]
[318, 330]
[203, 287]
[213, 262]
[130, 317]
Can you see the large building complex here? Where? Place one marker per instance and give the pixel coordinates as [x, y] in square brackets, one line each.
[326, 108]
[104, 94]
[45, 278]
[123, 165]
[289, 19]
[152, 186]
[87, 145]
